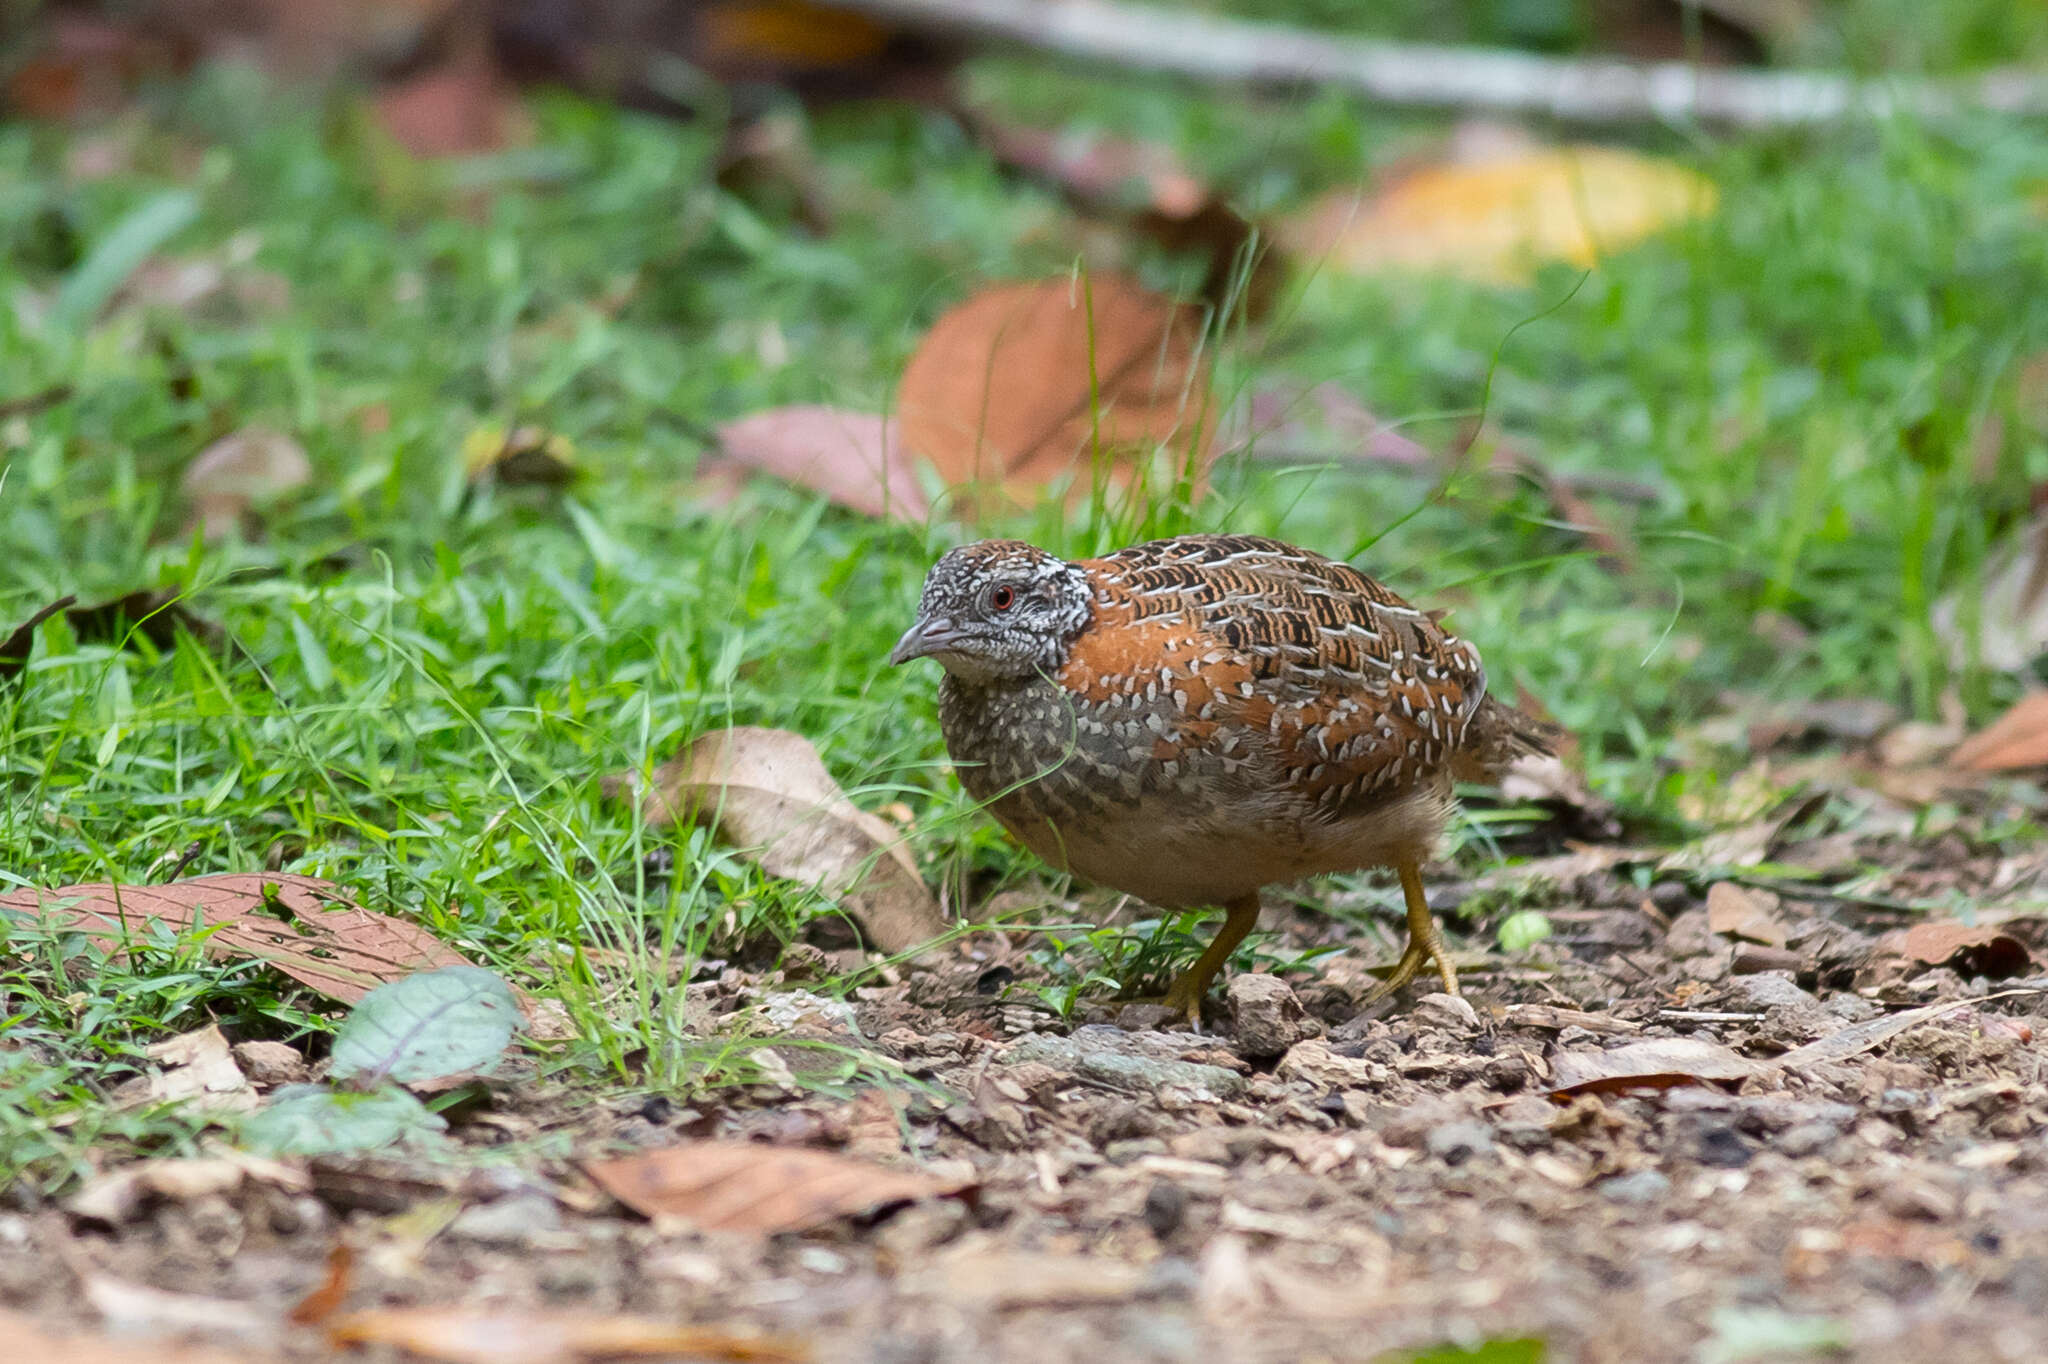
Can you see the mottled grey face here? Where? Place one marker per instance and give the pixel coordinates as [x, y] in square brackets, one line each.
[997, 608]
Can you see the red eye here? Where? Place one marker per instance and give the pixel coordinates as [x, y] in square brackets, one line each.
[1003, 598]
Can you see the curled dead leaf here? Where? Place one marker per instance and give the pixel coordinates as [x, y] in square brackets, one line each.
[768, 790]
[197, 1067]
[748, 1186]
[1026, 386]
[1658, 1063]
[1737, 912]
[853, 458]
[1973, 949]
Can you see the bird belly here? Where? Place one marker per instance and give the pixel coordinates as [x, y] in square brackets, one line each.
[1198, 830]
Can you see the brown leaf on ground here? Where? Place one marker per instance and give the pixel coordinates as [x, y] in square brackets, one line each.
[463, 106]
[25, 1340]
[197, 1066]
[768, 790]
[751, 1187]
[307, 928]
[853, 458]
[1658, 1063]
[1738, 912]
[240, 472]
[121, 1195]
[1861, 1037]
[1973, 949]
[1496, 219]
[2015, 740]
[486, 1335]
[1027, 385]
[14, 649]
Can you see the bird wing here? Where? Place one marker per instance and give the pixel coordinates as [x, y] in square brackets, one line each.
[1278, 654]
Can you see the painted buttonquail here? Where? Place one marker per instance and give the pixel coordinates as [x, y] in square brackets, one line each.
[1190, 719]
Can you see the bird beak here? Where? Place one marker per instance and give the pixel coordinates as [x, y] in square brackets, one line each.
[931, 635]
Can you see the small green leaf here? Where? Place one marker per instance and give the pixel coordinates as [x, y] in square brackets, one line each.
[312, 654]
[426, 1026]
[115, 256]
[1522, 930]
[312, 1120]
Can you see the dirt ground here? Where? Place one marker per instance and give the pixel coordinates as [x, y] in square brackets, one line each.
[1305, 1180]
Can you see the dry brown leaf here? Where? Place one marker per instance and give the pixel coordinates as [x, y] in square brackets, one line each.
[239, 472]
[1738, 912]
[1496, 220]
[484, 1335]
[1973, 949]
[767, 790]
[1664, 1062]
[1028, 385]
[121, 1195]
[1658, 1063]
[327, 1296]
[521, 456]
[305, 927]
[853, 458]
[24, 1340]
[463, 107]
[2015, 740]
[751, 1187]
[197, 1066]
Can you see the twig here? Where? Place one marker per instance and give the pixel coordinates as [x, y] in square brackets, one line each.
[1585, 90]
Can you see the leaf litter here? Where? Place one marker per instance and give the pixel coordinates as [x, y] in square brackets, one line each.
[767, 791]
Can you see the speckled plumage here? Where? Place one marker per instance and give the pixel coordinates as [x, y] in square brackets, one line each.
[1190, 719]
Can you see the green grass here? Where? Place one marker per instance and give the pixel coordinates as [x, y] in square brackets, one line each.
[430, 678]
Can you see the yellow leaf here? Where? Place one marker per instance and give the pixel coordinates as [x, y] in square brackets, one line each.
[1497, 220]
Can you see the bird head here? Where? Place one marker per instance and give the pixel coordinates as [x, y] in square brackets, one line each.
[998, 609]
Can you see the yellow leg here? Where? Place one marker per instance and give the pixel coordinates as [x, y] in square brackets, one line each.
[1185, 994]
[1425, 940]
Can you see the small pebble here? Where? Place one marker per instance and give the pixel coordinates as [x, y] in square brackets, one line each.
[1266, 1016]
[1166, 1206]
[1454, 1143]
[1642, 1186]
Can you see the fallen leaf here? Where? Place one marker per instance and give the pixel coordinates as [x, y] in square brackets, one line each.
[430, 1025]
[463, 106]
[1737, 912]
[751, 1187]
[14, 649]
[1973, 949]
[314, 1120]
[853, 458]
[1024, 386]
[484, 1335]
[240, 472]
[2015, 740]
[306, 928]
[25, 1340]
[523, 456]
[1495, 220]
[121, 1195]
[767, 790]
[1658, 1063]
[197, 1066]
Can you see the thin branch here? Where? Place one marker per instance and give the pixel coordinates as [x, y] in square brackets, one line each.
[1584, 90]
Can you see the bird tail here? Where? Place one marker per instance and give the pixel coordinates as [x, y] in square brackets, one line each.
[1498, 734]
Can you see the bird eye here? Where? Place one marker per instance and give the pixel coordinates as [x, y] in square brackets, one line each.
[1003, 598]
